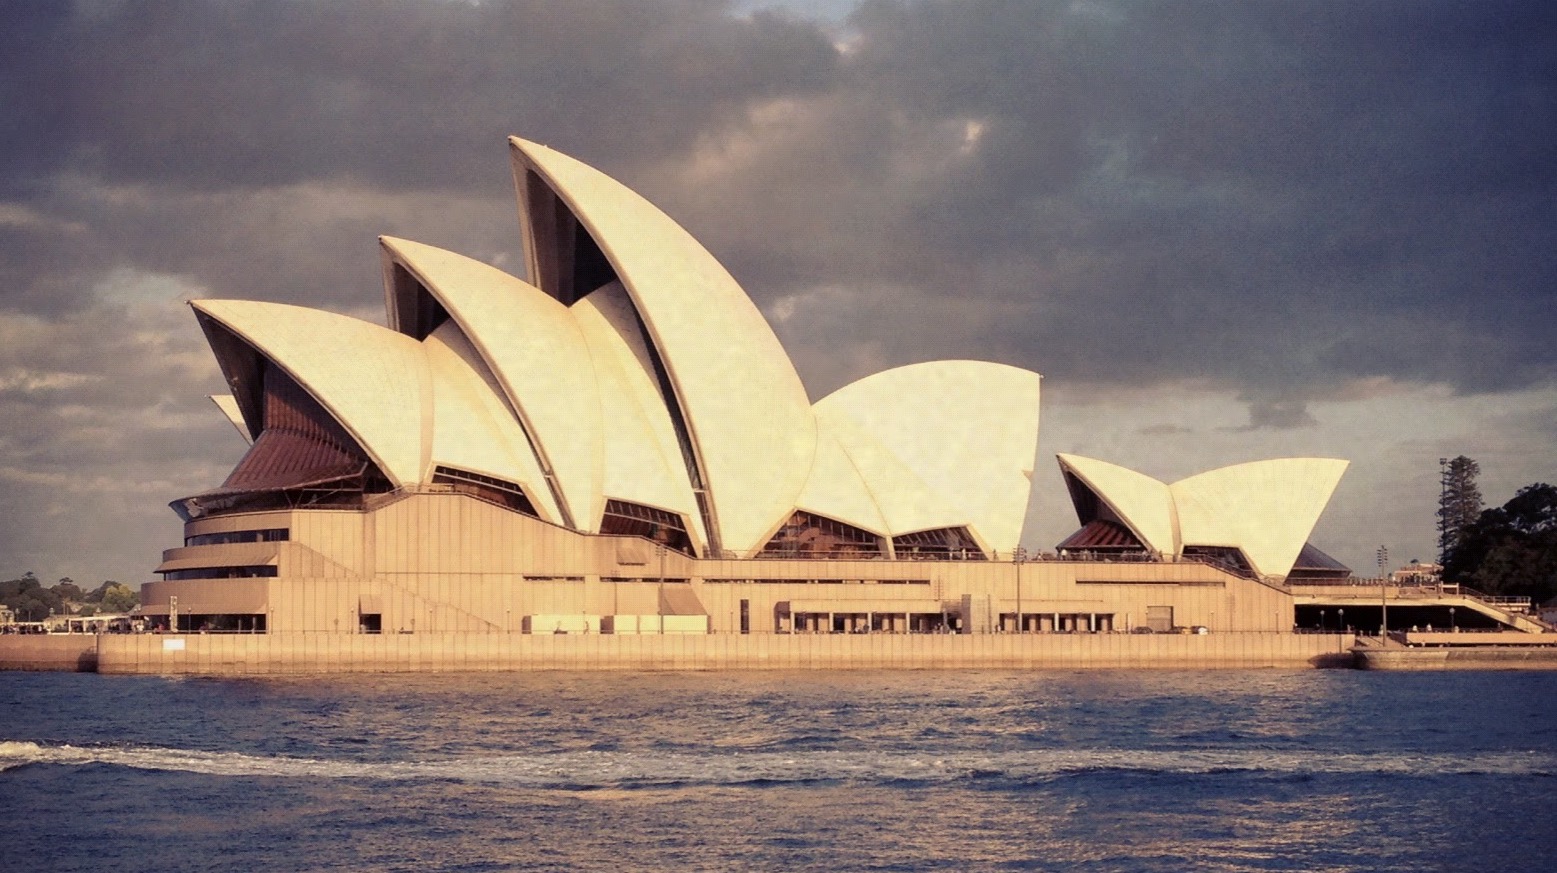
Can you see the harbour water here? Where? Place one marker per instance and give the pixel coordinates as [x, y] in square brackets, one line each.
[1074, 771]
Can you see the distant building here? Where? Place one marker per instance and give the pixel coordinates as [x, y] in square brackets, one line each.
[1417, 573]
[624, 447]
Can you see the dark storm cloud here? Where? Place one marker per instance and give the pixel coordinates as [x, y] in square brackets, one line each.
[402, 93]
[1276, 201]
[156, 122]
[1283, 197]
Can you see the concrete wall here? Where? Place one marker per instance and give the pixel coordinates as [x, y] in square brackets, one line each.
[238, 654]
[62, 652]
[442, 562]
[1459, 658]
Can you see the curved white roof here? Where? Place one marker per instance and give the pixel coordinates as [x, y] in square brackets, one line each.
[904, 501]
[836, 489]
[746, 411]
[473, 429]
[967, 429]
[643, 462]
[228, 404]
[1266, 508]
[538, 354]
[1138, 501]
[373, 380]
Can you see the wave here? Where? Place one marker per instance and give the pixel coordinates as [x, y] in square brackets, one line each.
[617, 769]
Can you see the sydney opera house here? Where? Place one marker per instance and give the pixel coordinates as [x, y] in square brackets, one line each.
[620, 445]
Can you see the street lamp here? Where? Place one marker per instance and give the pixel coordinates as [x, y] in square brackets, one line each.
[1383, 594]
[1018, 555]
[660, 593]
[1452, 628]
[1322, 627]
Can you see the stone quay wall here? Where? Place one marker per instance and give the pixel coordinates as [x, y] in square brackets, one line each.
[240, 654]
[49, 652]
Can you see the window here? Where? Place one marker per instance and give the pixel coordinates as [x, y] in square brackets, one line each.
[808, 536]
[939, 544]
[492, 490]
[267, 535]
[261, 571]
[623, 518]
[1225, 558]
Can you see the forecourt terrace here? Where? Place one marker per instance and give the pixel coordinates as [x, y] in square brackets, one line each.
[620, 450]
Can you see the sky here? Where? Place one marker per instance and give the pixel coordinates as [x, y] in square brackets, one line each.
[1222, 231]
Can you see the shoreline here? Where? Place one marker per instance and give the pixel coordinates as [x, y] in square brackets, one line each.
[324, 654]
[303, 653]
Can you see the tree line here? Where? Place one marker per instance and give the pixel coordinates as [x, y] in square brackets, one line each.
[31, 601]
[1510, 550]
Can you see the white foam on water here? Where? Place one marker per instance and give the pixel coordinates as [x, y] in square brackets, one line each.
[726, 767]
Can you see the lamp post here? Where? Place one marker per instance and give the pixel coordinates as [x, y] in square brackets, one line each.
[1452, 628]
[1383, 594]
[660, 588]
[1017, 557]
[1322, 627]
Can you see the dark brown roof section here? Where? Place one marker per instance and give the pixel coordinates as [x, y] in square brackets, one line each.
[1100, 534]
[300, 442]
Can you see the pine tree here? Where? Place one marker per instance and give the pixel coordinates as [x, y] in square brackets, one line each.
[1459, 503]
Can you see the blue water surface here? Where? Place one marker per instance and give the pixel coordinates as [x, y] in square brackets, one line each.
[978, 770]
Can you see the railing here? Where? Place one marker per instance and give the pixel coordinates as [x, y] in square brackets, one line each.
[1424, 589]
[1521, 604]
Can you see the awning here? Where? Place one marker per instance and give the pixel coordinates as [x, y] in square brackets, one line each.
[226, 555]
[633, 551]
[680, 601]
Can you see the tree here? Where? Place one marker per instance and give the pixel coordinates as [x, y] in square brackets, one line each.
[1511, 550]
[119, 598]
[30, 600]
[1533, 509]
[68, 590]
[1459, 503]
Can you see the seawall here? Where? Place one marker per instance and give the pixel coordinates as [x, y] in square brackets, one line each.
[49, 652]
[1459, 658]
[239, 654]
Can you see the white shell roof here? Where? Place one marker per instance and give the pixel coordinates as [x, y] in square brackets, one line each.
[746, 411]
[473, 429]
[1267, 508]
[380, 392]
[1141, 503]
[538, 354]
[228, 404]
[836, 489]
[904, 501]
[643, 462]
[967, 429]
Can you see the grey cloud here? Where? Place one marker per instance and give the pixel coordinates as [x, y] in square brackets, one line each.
[1255, 194]
[1279, 200]
[1164, 430]
[400, 93]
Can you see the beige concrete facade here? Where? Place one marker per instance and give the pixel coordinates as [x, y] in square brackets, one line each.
[451, 563]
